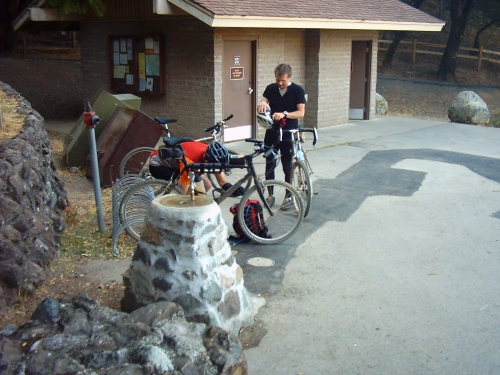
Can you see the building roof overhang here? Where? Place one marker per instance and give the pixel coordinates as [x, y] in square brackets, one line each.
[39, 19]
[218, 19]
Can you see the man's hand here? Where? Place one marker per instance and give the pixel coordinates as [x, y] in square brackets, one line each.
[261, 108]
[278, 116]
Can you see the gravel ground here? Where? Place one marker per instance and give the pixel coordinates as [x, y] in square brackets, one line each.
[431, 99]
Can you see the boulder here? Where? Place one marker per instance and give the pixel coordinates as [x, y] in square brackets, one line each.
[380, 104]
[469, 108]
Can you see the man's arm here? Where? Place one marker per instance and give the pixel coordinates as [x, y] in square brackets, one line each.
[299, 113]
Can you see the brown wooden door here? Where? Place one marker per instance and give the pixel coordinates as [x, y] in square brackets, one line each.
[238, 88]
[359, 97]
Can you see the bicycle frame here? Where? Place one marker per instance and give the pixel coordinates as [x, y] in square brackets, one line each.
[219, 168]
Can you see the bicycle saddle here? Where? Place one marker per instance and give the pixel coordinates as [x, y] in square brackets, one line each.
[163, 120]
[172, 141]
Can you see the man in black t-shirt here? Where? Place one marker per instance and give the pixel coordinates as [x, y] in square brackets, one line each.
[287, 102]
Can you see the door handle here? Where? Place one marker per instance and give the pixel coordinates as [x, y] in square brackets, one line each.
[250, 90]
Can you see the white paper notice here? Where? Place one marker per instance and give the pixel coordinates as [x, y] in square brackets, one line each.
[156, 47]
[123, 59]
[123, 45]
[116, 58]
[129, 79]
[149, 43]
[149, 84]
[119, 71]
[142, 84]
[116, 45]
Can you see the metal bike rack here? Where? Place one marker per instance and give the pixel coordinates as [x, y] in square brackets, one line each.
[120, 188]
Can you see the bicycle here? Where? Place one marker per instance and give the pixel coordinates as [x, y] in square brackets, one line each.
[301, 168]
[137, 160]
[282, 220]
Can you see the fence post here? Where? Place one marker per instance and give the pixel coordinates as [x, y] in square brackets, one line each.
[480, 58]
[414, 52]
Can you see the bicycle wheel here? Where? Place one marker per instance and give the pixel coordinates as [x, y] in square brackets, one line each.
[301, 181]
[136, 162]
[284, 217]
[135, 203]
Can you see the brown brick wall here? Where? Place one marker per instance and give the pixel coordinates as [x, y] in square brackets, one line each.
[189, 69]
[320, 60]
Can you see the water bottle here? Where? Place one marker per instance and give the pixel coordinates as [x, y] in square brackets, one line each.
[300, 154]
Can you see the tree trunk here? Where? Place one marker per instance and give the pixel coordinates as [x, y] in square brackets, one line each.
[483, 29]
[398, 37]
[459, 13]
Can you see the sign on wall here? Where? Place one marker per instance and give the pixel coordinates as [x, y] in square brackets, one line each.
[236, 73]
[138, 64]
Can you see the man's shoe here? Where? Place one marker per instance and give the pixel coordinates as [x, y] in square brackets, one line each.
[270, 200]
[286, 205]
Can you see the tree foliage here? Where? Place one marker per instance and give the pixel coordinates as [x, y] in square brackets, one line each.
[77, 6]
[460, 11]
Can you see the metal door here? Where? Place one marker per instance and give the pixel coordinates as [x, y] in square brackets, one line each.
[238, 88]
[359, 97]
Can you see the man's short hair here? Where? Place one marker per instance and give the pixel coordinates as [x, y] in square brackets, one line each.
[283, 69]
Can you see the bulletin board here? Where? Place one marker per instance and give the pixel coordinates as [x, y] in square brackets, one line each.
[138, 64]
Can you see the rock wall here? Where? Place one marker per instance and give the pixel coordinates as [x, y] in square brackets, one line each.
[32, 199]
[78, 336]
[183, 256]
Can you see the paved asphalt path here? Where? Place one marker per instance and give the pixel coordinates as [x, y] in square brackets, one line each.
[396, 268]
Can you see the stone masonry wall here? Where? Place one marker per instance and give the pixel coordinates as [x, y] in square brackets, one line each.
[32, 198]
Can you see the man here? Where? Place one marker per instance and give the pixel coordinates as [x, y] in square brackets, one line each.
[287, 102]
[195, 152]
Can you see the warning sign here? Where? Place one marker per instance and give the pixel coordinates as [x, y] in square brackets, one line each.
[236, 73]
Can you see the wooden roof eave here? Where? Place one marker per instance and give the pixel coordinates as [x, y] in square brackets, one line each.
[317, 23]
[214, 20]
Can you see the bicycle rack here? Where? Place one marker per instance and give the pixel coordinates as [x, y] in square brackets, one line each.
[120, 188]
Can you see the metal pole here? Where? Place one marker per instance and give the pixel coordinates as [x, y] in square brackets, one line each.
[96, 179]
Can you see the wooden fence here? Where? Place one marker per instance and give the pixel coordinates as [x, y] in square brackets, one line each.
[438, 49]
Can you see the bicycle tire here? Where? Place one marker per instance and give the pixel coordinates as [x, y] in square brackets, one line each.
[301, 181]
[282, 224]
[136, 162]
[135, 204]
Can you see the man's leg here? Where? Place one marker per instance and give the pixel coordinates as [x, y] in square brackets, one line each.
[286, 149]
[269, 140]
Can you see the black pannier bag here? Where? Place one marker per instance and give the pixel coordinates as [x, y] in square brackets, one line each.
[172, 152]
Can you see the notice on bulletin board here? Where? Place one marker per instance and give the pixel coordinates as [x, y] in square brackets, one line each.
[142, 65]
[152, 65]
[119, 71]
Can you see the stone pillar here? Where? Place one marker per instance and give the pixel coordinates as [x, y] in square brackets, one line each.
[183, 256]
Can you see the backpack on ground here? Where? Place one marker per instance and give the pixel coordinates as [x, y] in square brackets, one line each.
[254, 220]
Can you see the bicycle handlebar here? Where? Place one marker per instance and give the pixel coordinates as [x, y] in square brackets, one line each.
[311, 130]
[301, 130]
[219, 124]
